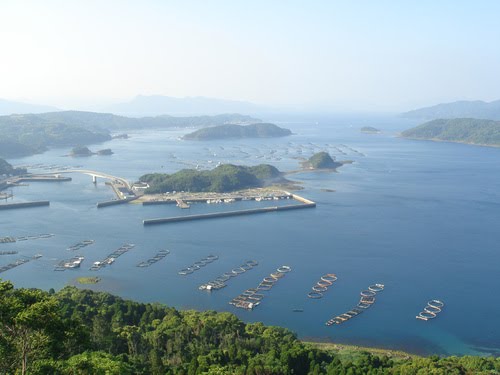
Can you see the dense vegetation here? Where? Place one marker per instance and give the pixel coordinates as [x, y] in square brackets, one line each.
[322, 160]
[9, 170]
[22, 135]
[467, 130]
[262, 130]
[82, 332]
[224, 178]
[460, 109]
[81, 151]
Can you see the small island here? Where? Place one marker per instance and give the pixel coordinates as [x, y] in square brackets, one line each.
[260, 130]
[321, 160]
[222, 179]
[85, 151]
[370, 130]
[88, 280]
[462, 130]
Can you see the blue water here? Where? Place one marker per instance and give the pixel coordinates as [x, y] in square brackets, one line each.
[420, 217]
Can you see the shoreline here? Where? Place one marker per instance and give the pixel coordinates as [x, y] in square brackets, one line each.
[447, 141]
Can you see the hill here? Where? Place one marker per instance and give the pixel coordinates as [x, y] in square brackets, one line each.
[9, 170]
[262, 130]
[370, 130]
[464, 130]
[224, 178]
[22, 135]
[321, 160]
[154, 105]
[83, 332]
[8, 107]
[461, 109]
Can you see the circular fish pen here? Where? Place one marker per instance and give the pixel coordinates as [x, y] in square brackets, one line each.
[366, 300]
[220, 281]
[322, 285]
[433, 308]
[197, 265]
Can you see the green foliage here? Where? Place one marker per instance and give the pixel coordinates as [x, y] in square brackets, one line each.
[322, 160]
[7, 169]
[81, 151]
[468, 130]
[83, 332]
[22, 135]
[224, 178]
[261, 130]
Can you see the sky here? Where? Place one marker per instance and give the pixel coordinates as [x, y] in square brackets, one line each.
[309, 55]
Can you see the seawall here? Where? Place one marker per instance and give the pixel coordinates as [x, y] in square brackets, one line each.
[10, 206]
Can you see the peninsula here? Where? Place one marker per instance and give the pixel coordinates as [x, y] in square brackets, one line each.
[462, 130]
[260, 130]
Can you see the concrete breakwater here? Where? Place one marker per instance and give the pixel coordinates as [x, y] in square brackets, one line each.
[115, 202]
[213, 215]
[9, 206]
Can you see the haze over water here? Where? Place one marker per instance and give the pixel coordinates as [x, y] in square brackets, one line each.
[420, 217]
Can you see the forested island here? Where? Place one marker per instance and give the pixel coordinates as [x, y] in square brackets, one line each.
[23, 135]
[85, 151]
[463, 130]
[222, 179]
[460, 109]
[370, 130]
[8, 170]
[261, 130]
[321, 160]
[83, 332]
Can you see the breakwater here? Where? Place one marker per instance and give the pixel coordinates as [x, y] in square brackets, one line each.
[115, 202]
[10, 206]
[213, 215]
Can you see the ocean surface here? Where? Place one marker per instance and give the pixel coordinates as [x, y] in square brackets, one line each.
[421, 217]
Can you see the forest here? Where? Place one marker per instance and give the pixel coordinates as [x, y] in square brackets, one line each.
[75, 331]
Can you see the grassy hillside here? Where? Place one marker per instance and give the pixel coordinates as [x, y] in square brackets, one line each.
[466, 130]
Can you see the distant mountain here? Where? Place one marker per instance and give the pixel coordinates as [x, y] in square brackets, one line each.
[461, 109]
[463, 130]
[262, 130]
[8, 107]
[155, 105]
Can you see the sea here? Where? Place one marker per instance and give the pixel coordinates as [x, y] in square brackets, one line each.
[420, 217]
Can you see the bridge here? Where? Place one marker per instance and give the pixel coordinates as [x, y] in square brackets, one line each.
[95, 174]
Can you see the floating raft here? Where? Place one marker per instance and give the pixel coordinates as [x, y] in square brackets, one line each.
[433, 308]
[159, 256]
[110, 259]
[198, 265]
[250, 298]
[17, 263]
[366, 301]
[80, 245]
[322, 286]
[220, 282]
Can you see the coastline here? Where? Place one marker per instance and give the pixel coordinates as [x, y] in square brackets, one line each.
[447, 141]
[346, 350]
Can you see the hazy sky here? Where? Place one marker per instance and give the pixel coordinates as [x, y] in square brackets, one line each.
[366, 55]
